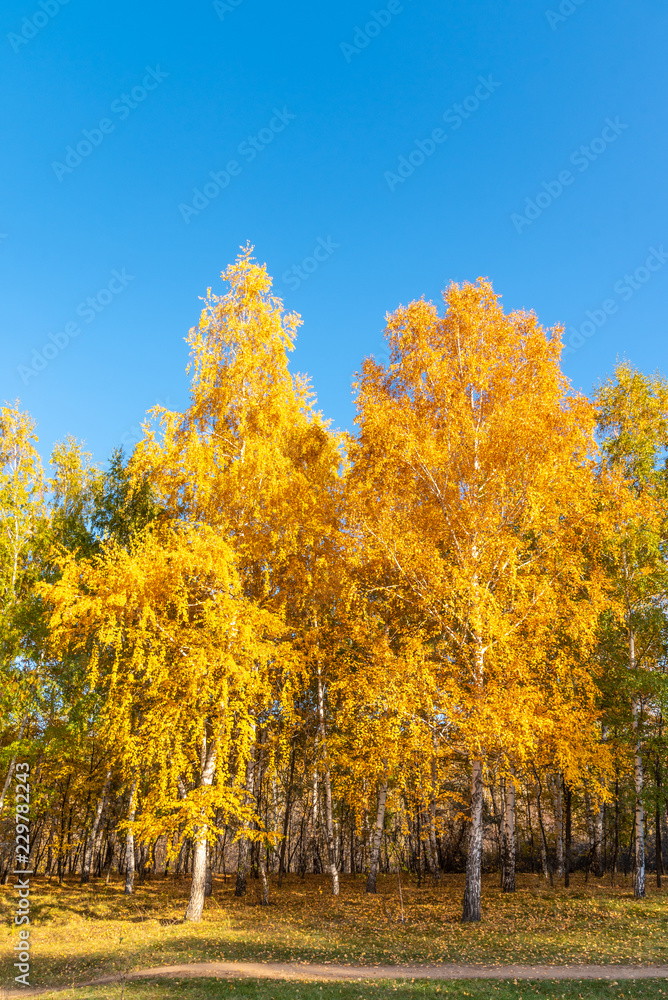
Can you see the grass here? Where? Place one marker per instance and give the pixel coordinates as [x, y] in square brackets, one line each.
[80, 932]
[216, 989]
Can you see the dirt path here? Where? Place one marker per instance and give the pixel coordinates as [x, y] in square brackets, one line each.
[298, 971]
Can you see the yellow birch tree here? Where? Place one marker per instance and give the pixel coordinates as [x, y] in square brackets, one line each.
[474, 479]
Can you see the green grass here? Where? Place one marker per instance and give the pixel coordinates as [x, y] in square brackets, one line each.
[212, 989]
[81, 932]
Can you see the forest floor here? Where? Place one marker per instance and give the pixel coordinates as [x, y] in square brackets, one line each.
[79, 933]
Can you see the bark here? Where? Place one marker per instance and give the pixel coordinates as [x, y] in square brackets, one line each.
[329, 833]
[597, 855]
[208, 880]
[286, 818]
[130, 841]
[498, 826]
[568, 796]
[530, 829]
[589, 816]
[545, 858]
[243, 862]
[558, 825]
[615, 853]
[433, 844]
[376, 836]
[431, 863]
[327, 781]
[198, 885]
[262, 864]
[639, 878]
[12, 763]
[657, 825]
[473, 890]
[313, 841]
[472, 909]
[95, 833]
[109, 860]
[509, 837]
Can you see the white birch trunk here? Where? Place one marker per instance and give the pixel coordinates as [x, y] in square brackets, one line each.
[130, 841]
[95, 833]
[509, 837]
[198, 884]
[12, 763]
[639, 878]
[327, 781]
[558, 825]
[473, 891]
[376, 837]
[598, 840]
[472, 910]
[244, 842]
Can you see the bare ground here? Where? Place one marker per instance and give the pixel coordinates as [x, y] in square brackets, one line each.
[303, 972]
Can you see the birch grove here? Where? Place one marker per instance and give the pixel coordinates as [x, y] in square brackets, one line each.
[258, 648]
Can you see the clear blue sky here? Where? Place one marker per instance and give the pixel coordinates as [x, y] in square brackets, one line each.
[316, 104]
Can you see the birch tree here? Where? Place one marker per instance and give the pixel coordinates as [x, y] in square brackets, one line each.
[22, 530]
[474, 463]
[633, 421]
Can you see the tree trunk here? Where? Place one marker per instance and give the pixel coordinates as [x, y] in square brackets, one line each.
[312, 851]
[130, 841]
[329, 833]
[286, 818]
[208, 880]
[329, 823]
[473, 891]
[598, 840]
[591, 835]
[498, 826]
[615, 850]
[657, 825]
[568, 795]
[12, 763]
[262, 864]
[244, 842]
[545, 858]
[431, 862]
[198, 885]
[109, 860]
[558, 825]
[95, 833]
[639, 855]
[376, 836]
[433, 843]
[639, 878]
[509, 837]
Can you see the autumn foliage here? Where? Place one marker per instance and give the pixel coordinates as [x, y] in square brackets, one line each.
[310, 651]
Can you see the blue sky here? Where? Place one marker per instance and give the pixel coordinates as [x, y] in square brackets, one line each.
[371, 153]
